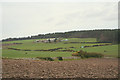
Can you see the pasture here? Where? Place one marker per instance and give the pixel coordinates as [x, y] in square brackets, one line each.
[32, 49]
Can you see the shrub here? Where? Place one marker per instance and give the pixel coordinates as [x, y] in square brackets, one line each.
[46, 58]
[60, 58]
[84, 54]
[118, 57]
[49, 59]
[97, 55]
[75, 54]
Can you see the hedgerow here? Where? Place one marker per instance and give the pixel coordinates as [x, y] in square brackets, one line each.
[84, 54]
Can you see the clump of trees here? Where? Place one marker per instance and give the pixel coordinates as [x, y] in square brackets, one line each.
[60, 58]
[103, 35]
[109, 36]
[84, 54]
[49, 58]
[46, 58]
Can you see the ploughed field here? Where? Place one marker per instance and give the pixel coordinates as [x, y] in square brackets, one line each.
[84, 68]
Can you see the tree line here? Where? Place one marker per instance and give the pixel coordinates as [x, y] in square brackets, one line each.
[103, 35]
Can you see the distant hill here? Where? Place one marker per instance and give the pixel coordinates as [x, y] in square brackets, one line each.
[103, 35]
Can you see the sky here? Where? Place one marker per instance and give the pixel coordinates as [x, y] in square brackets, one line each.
[20, 19]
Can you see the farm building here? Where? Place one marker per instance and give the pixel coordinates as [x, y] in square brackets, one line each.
[48, 40]
[37, 41]
[65, 40]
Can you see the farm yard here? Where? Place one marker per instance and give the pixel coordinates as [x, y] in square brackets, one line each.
[27, 59]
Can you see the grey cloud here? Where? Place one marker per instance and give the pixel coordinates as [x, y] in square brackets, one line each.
[61, 17]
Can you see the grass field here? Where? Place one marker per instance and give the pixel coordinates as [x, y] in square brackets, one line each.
[108, 50]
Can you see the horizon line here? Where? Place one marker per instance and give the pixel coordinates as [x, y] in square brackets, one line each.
[58, 32]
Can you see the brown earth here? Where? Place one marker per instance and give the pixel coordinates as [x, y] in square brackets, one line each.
[86, 68]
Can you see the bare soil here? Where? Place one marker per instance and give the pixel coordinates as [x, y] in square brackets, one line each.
[86, 68]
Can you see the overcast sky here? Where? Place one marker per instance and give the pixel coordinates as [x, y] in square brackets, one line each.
[31, 18]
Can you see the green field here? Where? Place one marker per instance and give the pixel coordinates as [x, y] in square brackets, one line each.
[107, 50]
